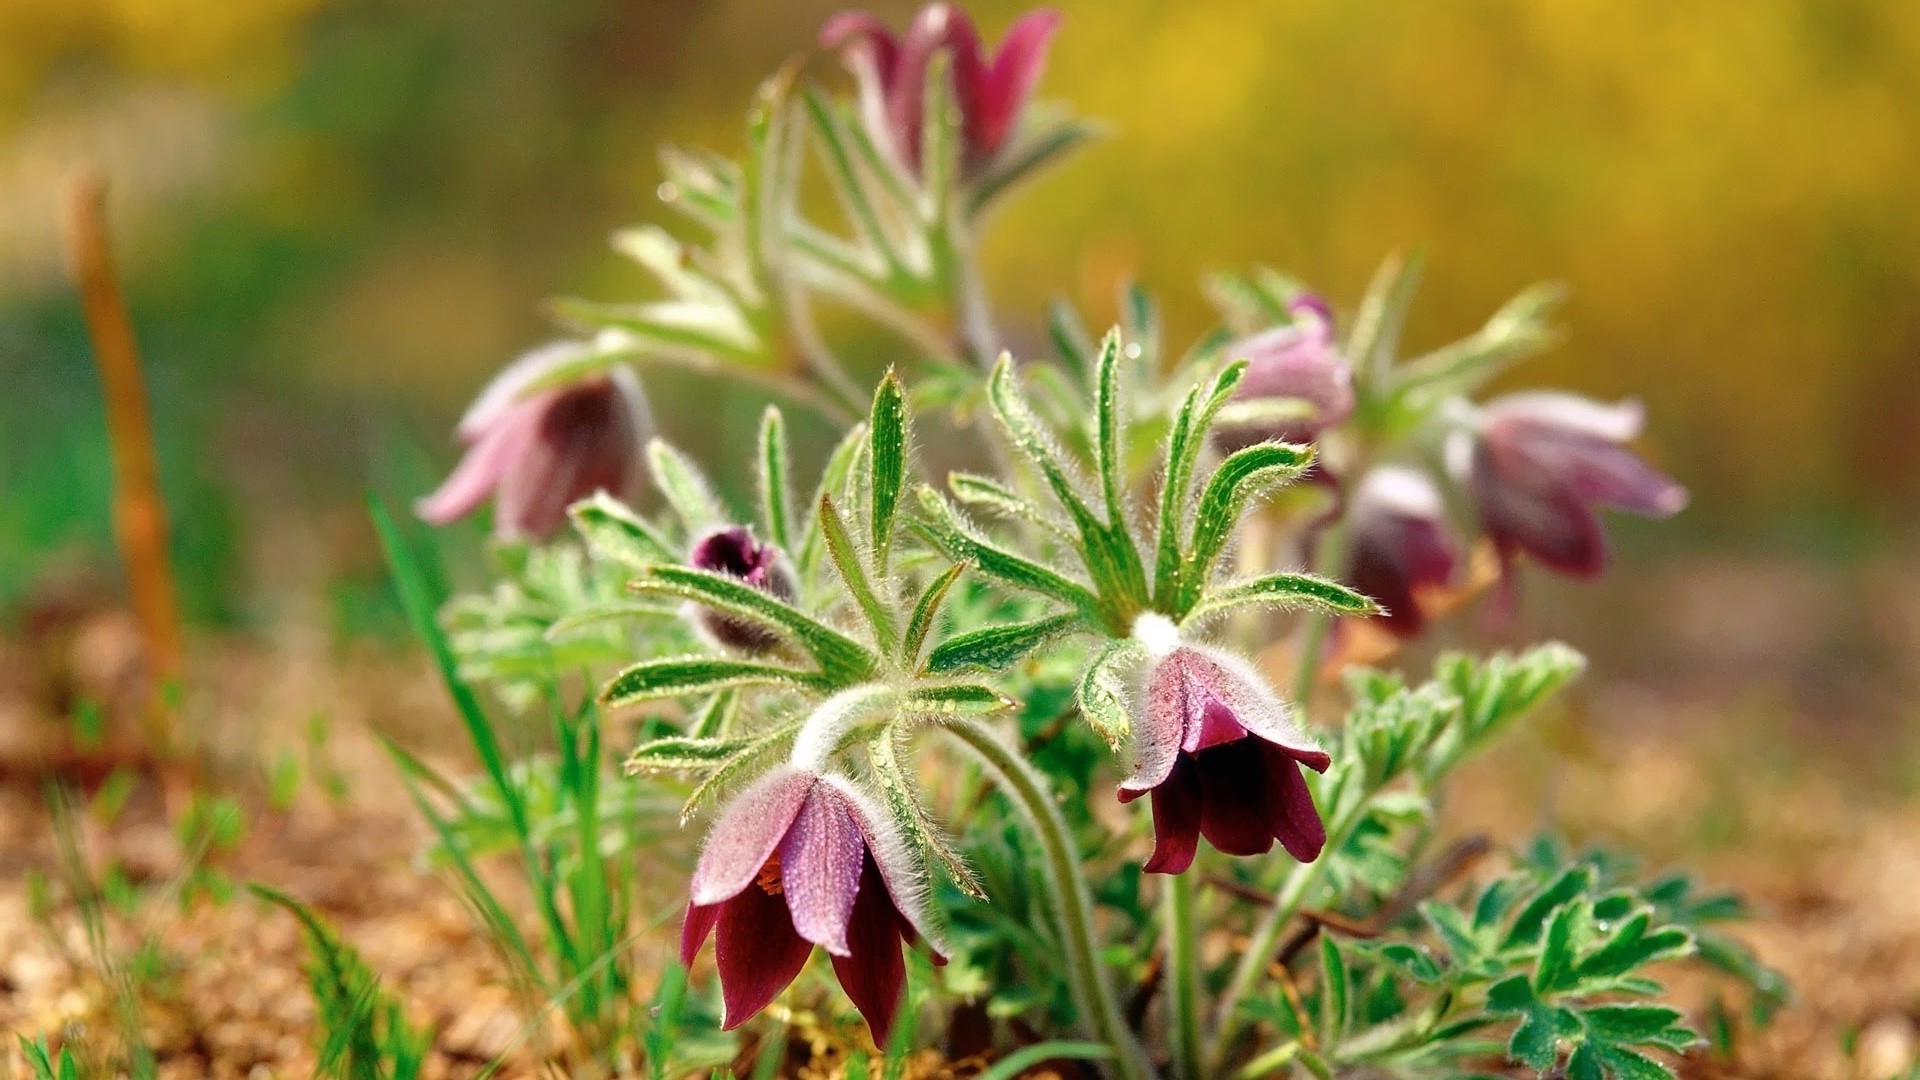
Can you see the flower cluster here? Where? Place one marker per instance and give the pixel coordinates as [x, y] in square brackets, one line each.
[840, 628]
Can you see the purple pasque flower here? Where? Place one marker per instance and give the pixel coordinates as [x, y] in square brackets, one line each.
[536, 449]
[990, 90]
[1538, 465]
[1220, 755]
[733, 551]
[1297, 363]
[798, 860]
[1399, 544]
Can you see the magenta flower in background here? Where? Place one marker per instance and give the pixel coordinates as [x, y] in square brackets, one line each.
[990, 91]
[799, 860]
[1538, 466]
[1221, 757]
[733, 551]
[1297, 363]
[1399, 544]
[536, 449]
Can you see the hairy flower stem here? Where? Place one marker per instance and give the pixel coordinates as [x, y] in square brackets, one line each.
[1259, 950]
[1183, 976]
[1327, 562]
[1092, 986]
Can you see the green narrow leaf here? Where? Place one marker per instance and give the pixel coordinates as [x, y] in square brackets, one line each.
[1283, 591]
[700, 326]
[1245, 305]
[1102, 693]
[996, 648]
[613, 531]
[775, 480]
[926, 610]
[956, 698]
[1374, 341]
[651, 680]
[1109, 455]
[1245, 473]
[851, 188]
[1028, 438]
[945, 530]
[1184, 443]
[730, 770]
[715, 718]
[684, 486]
[832, 479]
[1070, 338]
[901, 797]
[839, 656]
[1016, 1064]
[887, 458]
[847, 560]
[981, 491]
[1027, 157]
[1335, 1008]
[680, 753]
[1143, 326]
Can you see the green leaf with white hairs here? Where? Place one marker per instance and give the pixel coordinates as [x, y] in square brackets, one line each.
[682, 753]
[1246, 304]
[853, 572]
[1109, 424]
[833, 479]
[951, 699]
[1028, 156]
[887, 463]
[943, 528]
[678, 327]
[981, 491]
[996, 648]
[1143, 324]
[653, 680]
[1289, 590]
[857, 192]
[715, 718]
[1244, 474]
[685, 487]
[774, 479]
[842, 659]
[1374, 341]
[733, 769]
[613, 531]
[926, 611]
[1104, 694]
[1070, 338]
[1522, 328]
[1184, 443]
[901, 798]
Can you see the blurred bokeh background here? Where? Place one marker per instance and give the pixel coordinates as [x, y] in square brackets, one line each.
[338, 216]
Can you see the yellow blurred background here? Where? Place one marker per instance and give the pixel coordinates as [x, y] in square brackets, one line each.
[340, 215]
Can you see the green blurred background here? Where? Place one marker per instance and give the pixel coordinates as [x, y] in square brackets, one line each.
[339, 216]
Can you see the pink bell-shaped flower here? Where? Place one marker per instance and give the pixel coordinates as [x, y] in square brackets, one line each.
[1220, 755]
[1298, 364]
[1400, 545]
[798, 860]
[991, 90]
[537, 449]
[733, 551]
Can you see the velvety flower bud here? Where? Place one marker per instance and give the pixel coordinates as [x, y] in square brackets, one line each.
[1539, 465]
[1298, 365]
[733, 551]
[1399, 545]
[1221, 757]
[535, 452]
[799, 860]
[990, 91]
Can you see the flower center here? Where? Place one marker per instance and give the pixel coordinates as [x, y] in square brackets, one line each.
[769, 879]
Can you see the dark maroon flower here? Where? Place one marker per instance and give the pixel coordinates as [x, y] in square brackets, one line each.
[1220, 756]
[1400, 544]
[732, 550]
[990, 91]
[800, 860]
[1539, 465]
[537, 448]
[1297, 367]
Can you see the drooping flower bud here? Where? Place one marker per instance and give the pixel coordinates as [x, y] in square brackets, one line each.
[990, 90]
[1220, 755]
[1298, 369]
[798, 860]
[733, 551]
[1539, 464]
[537, 449]
[1400, 545]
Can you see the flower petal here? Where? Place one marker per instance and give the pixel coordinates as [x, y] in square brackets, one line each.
[899, 865]
[1296, 823]
[1162, 712]
[1234, 683]
[746, 835]
[479, 472]
[1553, 526]
[509, 387]
[1618, 422]
[1176, 821]
[1235, 814]
[1011, 80]
[873, 972]
[758, 953]
[820, 864]
[586, 442]
[694, 929]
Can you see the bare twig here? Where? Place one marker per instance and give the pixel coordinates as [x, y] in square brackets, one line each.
[139, 510]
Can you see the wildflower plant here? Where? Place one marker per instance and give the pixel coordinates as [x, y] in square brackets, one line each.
[913, 700]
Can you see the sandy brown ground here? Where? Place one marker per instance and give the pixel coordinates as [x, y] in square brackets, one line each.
[1813, 818]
